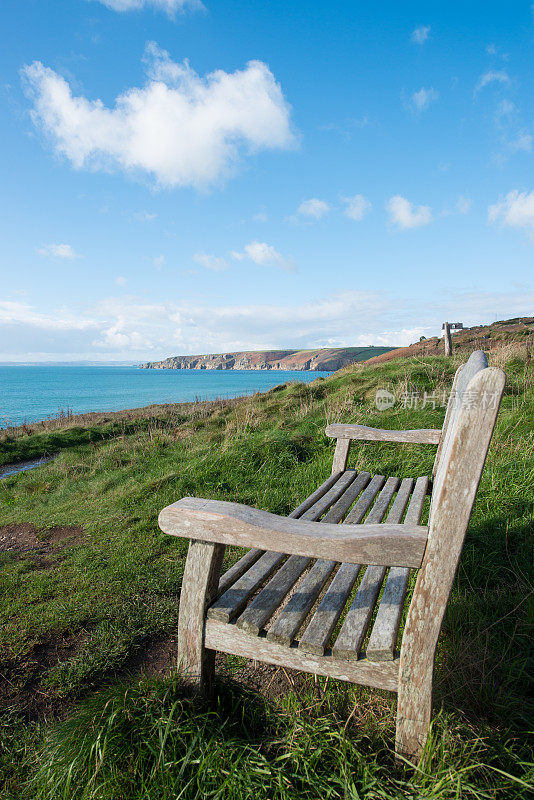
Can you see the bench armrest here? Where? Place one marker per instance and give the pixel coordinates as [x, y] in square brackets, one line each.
[422, 436]
[233, 523]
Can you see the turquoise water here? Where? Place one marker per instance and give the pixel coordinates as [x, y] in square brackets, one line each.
[28, 394]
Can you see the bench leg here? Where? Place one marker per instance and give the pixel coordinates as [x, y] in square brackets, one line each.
[414, 709]
[199, 585]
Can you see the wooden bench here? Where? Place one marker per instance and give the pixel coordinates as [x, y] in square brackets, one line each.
[294, 598]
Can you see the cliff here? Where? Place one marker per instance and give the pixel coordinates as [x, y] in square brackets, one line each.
[324, 360]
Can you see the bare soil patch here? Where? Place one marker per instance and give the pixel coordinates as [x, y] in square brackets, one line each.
[19, 538]
[158, 657]
[21, 687]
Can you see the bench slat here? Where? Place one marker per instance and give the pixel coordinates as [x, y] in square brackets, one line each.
[340, 508]
[378, 511]
[246, 561]
[288, 623]
[314, 639]
[384, 634]
[236, 594]
[352, 634]
[271, 596]
[316, 495]
[331, 496]
[238, 569]
[235, 598]
[357, 513]
[293, 615]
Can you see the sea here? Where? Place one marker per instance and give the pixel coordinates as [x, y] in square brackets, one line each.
[34, 393]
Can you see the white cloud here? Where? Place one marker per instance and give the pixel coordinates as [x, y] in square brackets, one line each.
[420, 34]
[180, 128]
[515, 210]
[420, 100]
[313, 208]
[346, 129]
[463, 205]
[407, 215]
[521, 141]
[121, 280]
[261, 216]
[504, 109]
[357, 206]
[129, 328]
[57, 251]
[169, 6]
[400, 338]
[492, 76]
[143, 216]
[159, 261]
[13, 312]
[265, 255]
[210, 262]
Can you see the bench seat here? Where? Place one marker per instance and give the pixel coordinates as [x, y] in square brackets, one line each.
[319, 607]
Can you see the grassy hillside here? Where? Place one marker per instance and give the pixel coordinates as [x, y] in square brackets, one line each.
[90, 588]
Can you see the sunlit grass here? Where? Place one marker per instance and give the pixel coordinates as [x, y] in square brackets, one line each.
[117, 587]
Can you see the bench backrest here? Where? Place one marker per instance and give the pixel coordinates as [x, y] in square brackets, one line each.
[458, 399]
[465, 444]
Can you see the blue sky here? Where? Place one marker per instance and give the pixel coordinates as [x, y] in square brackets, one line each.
[187, 178]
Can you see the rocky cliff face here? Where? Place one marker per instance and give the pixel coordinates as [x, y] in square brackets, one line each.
[324, 360]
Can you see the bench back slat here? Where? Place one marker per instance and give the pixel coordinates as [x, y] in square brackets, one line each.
[459, 398]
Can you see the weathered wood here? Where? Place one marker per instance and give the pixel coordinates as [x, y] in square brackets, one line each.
[232, 523]
[447, 339]
[363, 504]
[476, 362]
[235, 600]
[333, 494]
[383, 638]
[230, 639]
[293, 615]
[232, 602]
[261, 609]
[348, 432]
[378, 511]
[352, 634]
[316, 495]
[316, 636]
[401, 501]
[241, 566]
[349, 642]
[436, 549]
[199, 584]
[450, 513]
[340, 508]
[238, 569]
[417, 501]
[341, 455]
[448, 413]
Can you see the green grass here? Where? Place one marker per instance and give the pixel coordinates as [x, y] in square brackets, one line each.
[114, 591]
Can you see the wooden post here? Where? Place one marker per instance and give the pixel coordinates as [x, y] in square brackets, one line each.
[447, 339]
[341, 455]
[199, 587]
